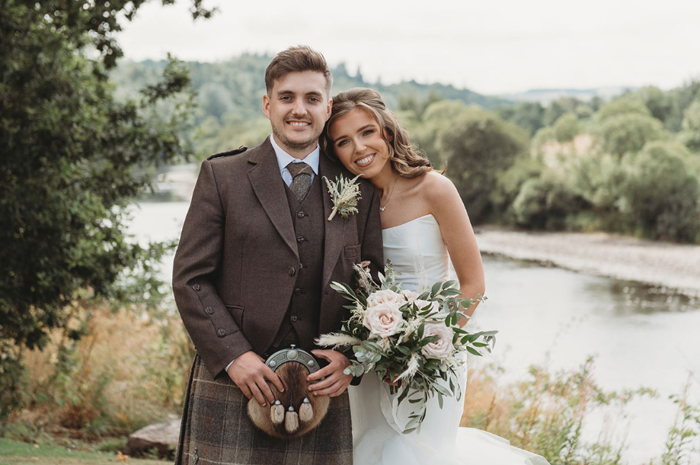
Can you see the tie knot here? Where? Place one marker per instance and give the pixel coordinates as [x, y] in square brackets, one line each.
[297, 168]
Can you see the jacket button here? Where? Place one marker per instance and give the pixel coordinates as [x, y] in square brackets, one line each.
[301, 214]
[294, 318]
[196, 287]
[297, 291]
[292, 271]
[209, 310]
[221, 332]
[301, 238]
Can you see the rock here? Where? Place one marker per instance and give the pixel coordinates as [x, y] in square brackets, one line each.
[162, 436]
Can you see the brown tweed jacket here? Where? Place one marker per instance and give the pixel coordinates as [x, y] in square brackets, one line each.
[236, 264]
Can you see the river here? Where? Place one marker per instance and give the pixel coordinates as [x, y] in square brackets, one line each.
[639, 334]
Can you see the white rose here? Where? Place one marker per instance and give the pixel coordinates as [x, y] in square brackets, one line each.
[385, 295]
[384, 319]
[442, 348]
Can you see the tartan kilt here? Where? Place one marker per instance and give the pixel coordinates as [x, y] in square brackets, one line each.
[216, 429]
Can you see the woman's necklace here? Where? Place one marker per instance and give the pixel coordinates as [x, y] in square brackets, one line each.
[393, 188]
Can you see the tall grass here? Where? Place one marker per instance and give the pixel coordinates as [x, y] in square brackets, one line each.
[546, 413]
[127, 371]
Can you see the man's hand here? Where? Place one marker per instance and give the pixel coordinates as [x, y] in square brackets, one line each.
[336, 381]
[249, 372]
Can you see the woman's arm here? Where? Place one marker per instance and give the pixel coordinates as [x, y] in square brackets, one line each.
[448, 209]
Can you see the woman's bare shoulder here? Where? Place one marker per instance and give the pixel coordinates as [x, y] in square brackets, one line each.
[438, 188]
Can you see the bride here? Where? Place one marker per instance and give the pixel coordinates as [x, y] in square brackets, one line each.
[425, 226]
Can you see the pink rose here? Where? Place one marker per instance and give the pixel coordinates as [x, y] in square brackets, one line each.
[442, 348]
[410, 296]
[384, 319]
[385, 295]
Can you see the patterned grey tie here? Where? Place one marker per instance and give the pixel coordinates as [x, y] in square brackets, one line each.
[301, 179]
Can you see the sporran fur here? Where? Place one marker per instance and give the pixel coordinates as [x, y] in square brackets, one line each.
[296, 411]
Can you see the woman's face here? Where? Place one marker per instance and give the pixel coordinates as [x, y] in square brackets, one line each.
[358, 142]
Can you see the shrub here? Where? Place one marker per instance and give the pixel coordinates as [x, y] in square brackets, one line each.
[629, 132]
[661, 193]
[546, 202]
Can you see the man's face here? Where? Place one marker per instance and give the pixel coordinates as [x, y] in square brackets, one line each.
[297, 108]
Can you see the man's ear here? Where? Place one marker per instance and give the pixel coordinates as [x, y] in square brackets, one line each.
[330, 109]
[266, 106]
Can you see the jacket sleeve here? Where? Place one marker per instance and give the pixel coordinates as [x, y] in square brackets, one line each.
[215, 334]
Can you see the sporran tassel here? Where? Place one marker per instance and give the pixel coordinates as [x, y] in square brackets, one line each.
[277, 413]
[291, 420]
[306, 411]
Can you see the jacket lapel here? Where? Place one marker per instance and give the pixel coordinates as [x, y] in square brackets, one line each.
[335, 229]
[265, 178]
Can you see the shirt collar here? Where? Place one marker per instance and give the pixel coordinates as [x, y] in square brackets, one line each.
[283, 158]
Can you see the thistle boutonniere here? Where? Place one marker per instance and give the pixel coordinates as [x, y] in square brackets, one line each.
[344, 194]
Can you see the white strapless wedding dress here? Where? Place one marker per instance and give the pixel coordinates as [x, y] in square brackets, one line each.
[416, 251]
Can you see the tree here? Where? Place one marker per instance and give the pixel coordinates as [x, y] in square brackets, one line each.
[629, 132]
[691, 126]
[661, 194]
[73, 158]
[566, 127]
[478, 146]
[622, 106]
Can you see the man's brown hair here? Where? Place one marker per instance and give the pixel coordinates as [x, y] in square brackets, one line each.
[300, 58]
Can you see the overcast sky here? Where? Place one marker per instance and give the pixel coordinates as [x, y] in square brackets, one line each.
[489, 46]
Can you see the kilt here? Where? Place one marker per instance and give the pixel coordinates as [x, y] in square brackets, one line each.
[216, 429]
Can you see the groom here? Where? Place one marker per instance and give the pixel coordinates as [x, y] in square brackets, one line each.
[252, 273]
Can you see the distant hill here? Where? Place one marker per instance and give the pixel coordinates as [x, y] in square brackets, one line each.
[545, 96]
[237, 85]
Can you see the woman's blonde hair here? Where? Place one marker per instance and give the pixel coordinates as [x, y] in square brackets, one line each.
[404, 159]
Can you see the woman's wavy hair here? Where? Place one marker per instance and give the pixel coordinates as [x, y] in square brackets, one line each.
[403, 157]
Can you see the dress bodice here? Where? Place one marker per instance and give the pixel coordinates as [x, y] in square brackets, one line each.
[416, 251]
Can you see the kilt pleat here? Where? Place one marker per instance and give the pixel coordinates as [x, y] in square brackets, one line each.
[216, 429]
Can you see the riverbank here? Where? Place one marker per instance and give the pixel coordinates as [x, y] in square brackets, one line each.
[672, 266]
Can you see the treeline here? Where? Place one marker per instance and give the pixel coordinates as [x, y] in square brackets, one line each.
[631, 165]
[229, 96]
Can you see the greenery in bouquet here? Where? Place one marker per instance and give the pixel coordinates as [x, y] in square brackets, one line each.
[411, 340]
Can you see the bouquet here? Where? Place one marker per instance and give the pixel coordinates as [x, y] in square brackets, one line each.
[410, 340]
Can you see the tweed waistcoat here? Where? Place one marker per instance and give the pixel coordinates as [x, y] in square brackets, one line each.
[304, 308]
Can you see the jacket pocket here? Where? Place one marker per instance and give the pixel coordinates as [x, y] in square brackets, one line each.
[236, 311]
[352, 253]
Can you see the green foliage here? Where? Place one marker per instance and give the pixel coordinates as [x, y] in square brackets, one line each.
[478, 146]
[661, 196]
[527, 115]
[629, 132]
[509, 184]
[681, 98]
[73, 157]
[564, 105]
[691, 127]
[566, 127]
[657, 102]
[622, 106]
[545, 202]
[682, 440]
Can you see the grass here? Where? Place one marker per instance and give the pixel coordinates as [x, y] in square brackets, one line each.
[21, 453]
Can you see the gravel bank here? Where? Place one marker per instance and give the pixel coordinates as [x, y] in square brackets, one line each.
[674, 266]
